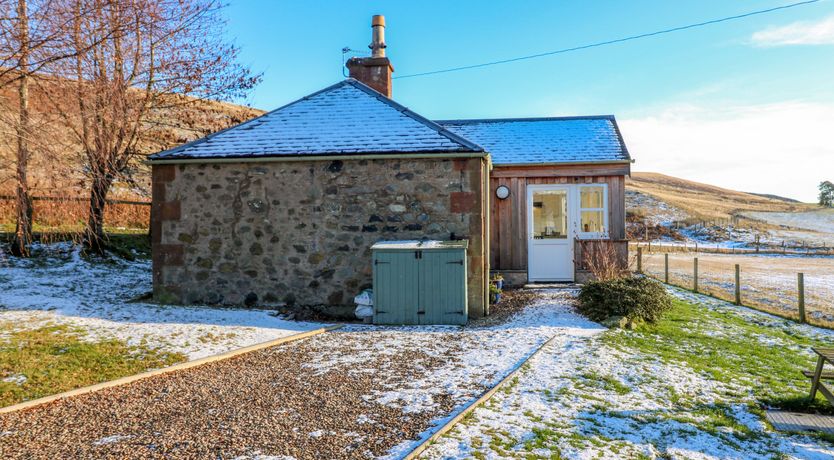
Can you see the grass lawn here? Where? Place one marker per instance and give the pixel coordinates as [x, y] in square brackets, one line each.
[763, 358]
[126, 243]
[695, 384]
[51, 359]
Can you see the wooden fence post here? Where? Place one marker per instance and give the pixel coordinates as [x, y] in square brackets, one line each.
[800, 284]
[695, 273]
[666, 267]
[639, 259]
[738, 285]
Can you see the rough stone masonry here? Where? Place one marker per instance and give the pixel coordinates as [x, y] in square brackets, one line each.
[299, 232]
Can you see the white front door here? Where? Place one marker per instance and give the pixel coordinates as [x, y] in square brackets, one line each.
[550, 232]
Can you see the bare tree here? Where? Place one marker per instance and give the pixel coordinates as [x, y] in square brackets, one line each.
[23, 225]
[134, 59]
[16, 48]
[29, 40]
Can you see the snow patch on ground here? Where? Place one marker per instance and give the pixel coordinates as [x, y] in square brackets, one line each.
[581, 398]
[479, 356]
[821, 220]
[257, 456]
[62, 288]
[110, 439]
[17, 379]
[658, 212]
[487, 354]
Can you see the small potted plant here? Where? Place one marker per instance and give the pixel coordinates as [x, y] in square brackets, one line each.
[498, 281]
[494, 293]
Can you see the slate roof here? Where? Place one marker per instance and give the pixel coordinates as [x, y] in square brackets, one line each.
[514, 141]
[346, 118]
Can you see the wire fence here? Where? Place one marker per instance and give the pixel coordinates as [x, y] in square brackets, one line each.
[795, 287]
[784, 247]
[69, 213]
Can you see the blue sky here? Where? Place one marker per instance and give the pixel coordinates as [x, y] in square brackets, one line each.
[743, 104]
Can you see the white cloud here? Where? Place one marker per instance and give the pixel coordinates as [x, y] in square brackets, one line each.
[783, 148]
[797, 33]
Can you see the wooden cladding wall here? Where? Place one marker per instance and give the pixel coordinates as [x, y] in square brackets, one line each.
[508, 230]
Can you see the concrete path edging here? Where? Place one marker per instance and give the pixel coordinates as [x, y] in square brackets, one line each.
[417, 451]
[165, 370]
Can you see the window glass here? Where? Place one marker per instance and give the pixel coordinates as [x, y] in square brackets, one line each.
[591, 197]
[592, 221]
[592, 209]
[550, 214]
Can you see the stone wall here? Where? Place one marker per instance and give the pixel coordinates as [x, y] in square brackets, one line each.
[300, 232]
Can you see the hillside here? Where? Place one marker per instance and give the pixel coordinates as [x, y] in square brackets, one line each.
[683, 198]
[677, 210]
[57, 164]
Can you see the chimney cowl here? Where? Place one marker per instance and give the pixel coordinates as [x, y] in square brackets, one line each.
[374, 70]
[377, 45]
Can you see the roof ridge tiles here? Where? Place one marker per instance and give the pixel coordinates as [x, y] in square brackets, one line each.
[525, 119]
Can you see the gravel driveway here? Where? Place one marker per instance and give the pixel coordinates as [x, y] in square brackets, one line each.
[358, 392]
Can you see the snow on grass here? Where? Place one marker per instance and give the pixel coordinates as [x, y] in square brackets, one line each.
[820, 220]
[658, 212]
[17, 379]
[477, 358]
[690, 387]
[59, 287]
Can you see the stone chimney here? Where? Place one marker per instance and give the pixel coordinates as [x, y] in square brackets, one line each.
[374, 71]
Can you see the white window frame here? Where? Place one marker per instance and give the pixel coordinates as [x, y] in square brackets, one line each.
[593, 235]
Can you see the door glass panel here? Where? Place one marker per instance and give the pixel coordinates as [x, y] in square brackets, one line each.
[592, 221]
[550, 214]
[590, 197]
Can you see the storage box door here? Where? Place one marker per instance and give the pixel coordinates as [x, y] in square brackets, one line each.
[395, 288]
[443, 287]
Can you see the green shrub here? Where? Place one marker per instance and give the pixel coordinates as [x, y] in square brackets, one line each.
[635, 298]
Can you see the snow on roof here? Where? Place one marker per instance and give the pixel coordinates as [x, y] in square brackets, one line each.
[592, 139]
[346, 118]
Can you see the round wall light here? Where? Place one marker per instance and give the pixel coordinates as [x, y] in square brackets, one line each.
[502, 192]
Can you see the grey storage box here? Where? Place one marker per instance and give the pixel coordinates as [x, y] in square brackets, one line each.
[420, 282]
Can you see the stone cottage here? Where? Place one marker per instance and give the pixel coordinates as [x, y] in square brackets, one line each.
[285, 207]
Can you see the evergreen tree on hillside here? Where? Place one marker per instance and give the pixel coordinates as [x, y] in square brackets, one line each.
[826, 193]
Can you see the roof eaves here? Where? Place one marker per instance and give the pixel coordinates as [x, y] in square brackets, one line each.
[238, 158]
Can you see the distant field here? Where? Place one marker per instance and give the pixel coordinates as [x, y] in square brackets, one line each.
[820, 220]
[769, 282]
[705, 201]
